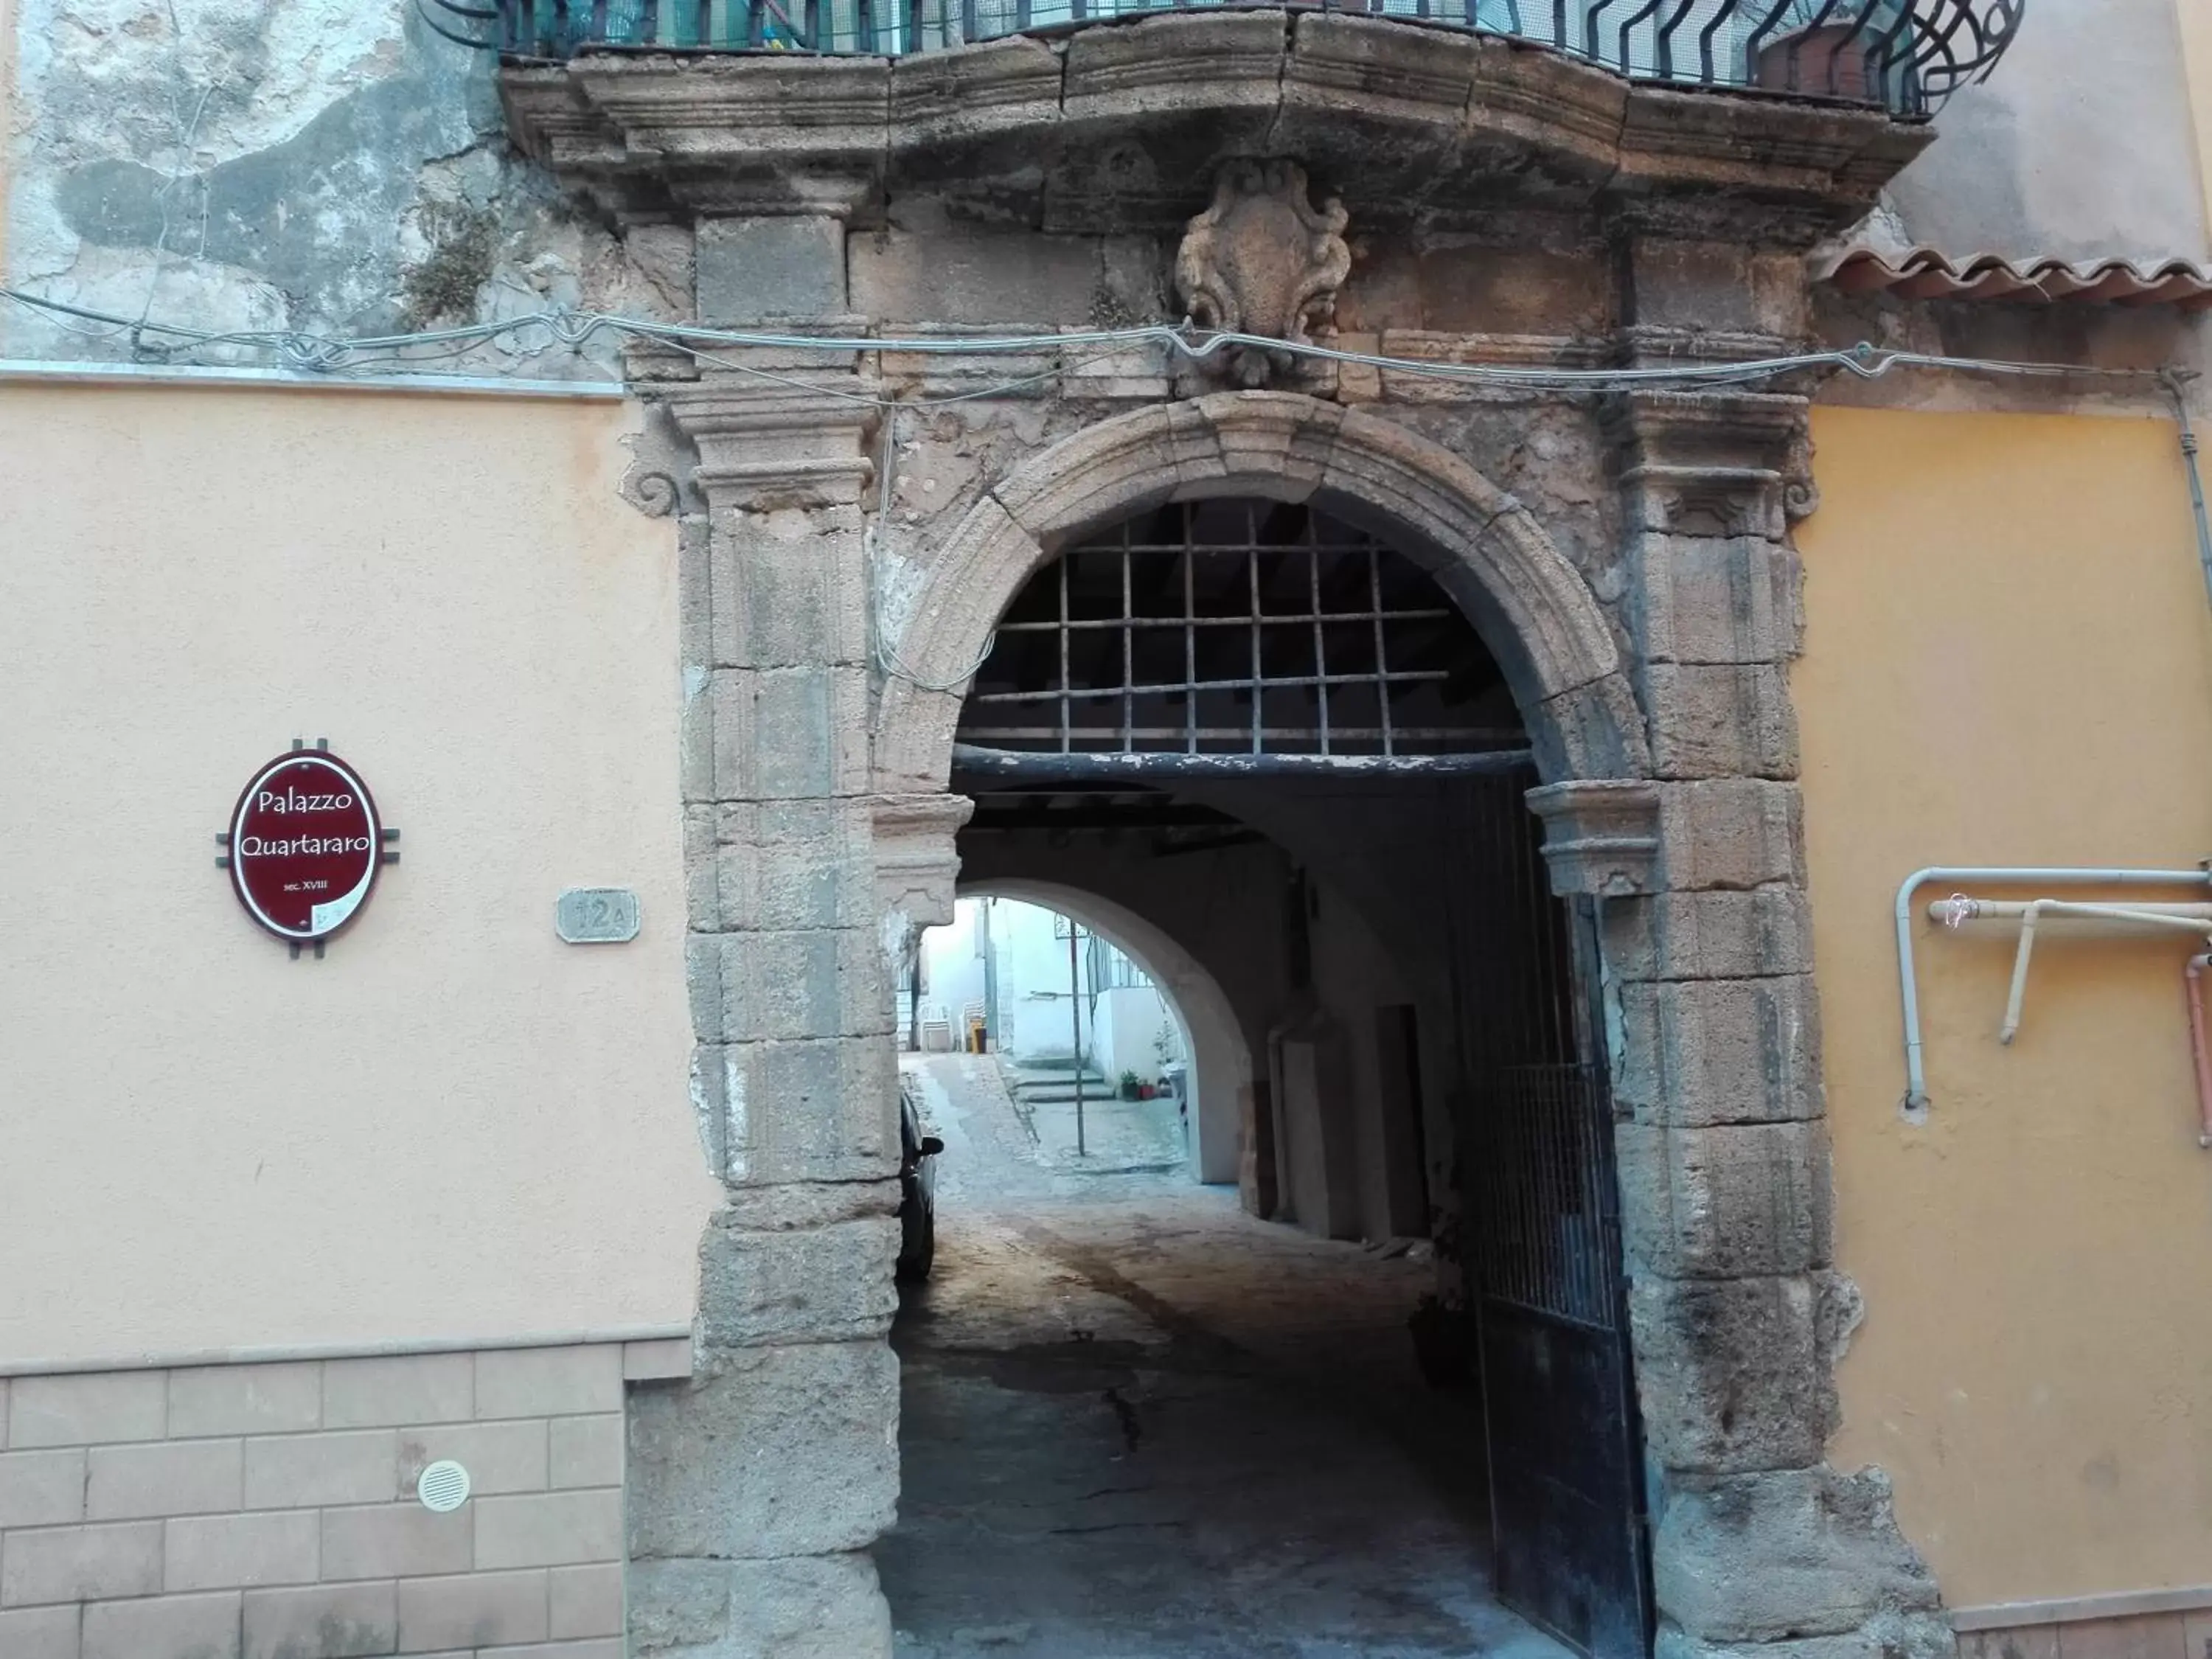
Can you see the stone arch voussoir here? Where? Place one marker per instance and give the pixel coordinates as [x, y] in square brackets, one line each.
[1487, 549]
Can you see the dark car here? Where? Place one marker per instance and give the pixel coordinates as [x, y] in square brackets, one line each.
[917, 1193]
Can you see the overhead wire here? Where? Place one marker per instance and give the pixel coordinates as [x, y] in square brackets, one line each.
[338, 358]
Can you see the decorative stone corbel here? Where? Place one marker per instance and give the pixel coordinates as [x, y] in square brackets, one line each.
[917, 861]
[1600, 837]
[1263, 260]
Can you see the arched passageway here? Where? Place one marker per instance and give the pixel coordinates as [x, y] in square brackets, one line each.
[1274, 742]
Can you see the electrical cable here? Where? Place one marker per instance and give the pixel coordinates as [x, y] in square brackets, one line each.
[339, 356]
[368, 357]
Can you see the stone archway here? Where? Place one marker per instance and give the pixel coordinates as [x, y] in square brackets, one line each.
[821, 833]
[1485, 549]
[1221, 1058]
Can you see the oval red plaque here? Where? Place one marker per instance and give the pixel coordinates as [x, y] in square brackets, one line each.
[305, 845]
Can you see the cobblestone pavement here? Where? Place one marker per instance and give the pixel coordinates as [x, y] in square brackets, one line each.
[1138, 1424]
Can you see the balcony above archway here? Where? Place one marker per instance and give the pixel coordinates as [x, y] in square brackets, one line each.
[1722, 123]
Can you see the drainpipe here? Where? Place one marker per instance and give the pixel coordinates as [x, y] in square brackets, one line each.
[1914, 1104]
[2195, 974]
[2178, 389]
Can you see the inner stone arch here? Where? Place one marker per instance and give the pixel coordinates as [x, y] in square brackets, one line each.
[1221, 1058]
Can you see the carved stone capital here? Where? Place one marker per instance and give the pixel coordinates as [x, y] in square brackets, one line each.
[1720, 462]
[1263, 260]
[1600, 837]
[917, 862]
[763, 445]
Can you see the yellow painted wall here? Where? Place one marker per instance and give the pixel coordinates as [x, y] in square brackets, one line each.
[2009, 662]
[453, 1126]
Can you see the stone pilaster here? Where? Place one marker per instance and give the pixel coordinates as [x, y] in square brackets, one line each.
[757, 1486]
[1736, 1310]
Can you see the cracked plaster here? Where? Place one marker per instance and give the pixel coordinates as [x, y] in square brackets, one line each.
[286, 164]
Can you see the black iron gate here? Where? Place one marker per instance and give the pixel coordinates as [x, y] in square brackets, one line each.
[1542, 1246]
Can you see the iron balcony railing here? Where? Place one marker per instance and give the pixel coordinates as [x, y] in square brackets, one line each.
[1905, 55]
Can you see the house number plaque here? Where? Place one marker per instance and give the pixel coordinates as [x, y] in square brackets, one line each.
[596, 916]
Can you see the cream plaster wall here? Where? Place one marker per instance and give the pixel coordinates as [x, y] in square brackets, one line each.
[453, 1126]
[2009, 662]
[2081, 145]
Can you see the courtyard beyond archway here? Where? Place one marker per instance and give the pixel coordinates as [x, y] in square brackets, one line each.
[1139, 1423]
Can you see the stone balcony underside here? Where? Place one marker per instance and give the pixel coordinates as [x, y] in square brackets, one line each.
[1118, 128]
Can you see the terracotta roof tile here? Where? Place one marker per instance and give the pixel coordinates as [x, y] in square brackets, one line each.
[1922, 273]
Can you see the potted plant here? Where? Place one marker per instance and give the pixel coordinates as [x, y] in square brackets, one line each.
[1129, 1086]
[1830, 48]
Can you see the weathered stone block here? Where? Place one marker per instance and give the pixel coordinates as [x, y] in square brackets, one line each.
[1709, 935]
[164, 1477]
[42, 1488]
[394, 1540]
[87, 1409]
[1727, 1200]
[781, 866]
[40, 1632]
[82, 1564]
[788, 587]
[751, 269]
[321, 1621]
[1780, 1556]
[585, 1600]
[1720, 720]
[788, 733]
[1595, 731]
[164, 1627]
[808, 1607]
[694, 583]
[975, 274]
[1700, 1052]
[423, 1387]
[1713, 599]
[695, 736]
[1730, 832]
[827, 1283]
[1728, 1373]
[1886, 1636]
[472, 1608]
[245, 1399]
[800, 1111]
[550, 1528]
[219, 1552]
[585, 1451]
[584, 1376]
[818, 983]
[768, 1452]
[1715, 285]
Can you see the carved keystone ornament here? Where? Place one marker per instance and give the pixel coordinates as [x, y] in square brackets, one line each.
[1263, 260]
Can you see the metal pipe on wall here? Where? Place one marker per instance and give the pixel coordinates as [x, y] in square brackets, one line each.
[1915, 1104]
[2035, 909]
[2178, 388]
[2193, 978]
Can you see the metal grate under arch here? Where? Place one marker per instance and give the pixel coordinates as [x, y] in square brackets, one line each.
[1238, 627]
